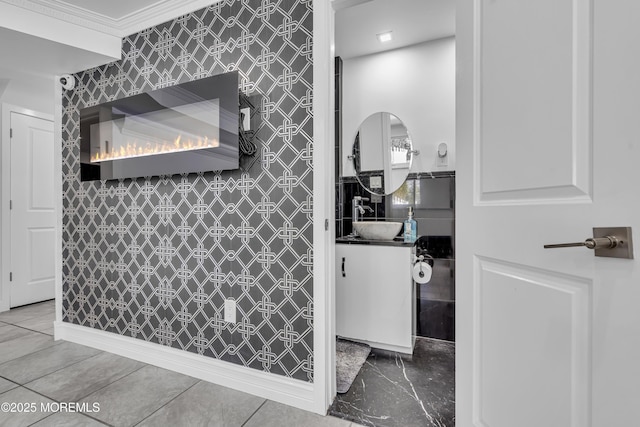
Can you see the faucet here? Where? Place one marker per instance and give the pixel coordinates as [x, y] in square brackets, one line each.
[358, 210]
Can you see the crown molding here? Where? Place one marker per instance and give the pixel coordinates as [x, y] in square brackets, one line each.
[157, 13]
[162, 11]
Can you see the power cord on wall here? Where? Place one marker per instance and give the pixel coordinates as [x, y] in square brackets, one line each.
[246, 138]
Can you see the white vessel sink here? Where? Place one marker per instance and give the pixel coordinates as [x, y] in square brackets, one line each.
[377, 230]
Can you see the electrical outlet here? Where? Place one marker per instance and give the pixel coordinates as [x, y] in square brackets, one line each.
[376, 198]
[375, 182]
[246, 118]
[230, 310]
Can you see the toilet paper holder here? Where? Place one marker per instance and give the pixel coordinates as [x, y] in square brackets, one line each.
[422, 269]
[427, 258]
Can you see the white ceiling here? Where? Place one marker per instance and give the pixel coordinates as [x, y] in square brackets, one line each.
[34, 56]
[411, 21]
[27, 55]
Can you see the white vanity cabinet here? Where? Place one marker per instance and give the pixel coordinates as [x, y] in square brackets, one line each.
[375, 296]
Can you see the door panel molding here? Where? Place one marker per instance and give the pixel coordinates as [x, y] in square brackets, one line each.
[42, 193]
[41, 264]
[564, 320]
[564, 150]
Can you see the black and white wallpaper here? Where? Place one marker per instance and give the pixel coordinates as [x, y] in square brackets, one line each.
[154, 258]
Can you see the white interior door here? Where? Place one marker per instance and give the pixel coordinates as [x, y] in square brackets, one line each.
[32, 212]
[548, 147]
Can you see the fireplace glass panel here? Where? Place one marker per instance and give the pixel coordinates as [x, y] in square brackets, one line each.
[192, 127]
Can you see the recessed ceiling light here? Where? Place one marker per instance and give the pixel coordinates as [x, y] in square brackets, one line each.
[384, 37]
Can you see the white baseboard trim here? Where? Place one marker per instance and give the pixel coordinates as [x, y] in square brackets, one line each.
[274, 387]
[389, 347]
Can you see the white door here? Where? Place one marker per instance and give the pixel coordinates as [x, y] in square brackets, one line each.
[548, 140]
[32, 213]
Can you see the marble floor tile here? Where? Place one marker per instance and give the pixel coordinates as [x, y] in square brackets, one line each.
[38, 364]
[136, 396]
[9, 332]
[24, 418]
[206, 404]
[24, 344]
[273, 414]
[6, 385]
[66, 419]
[83, 378]
[394, 390]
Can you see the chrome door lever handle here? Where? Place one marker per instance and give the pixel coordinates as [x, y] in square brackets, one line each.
[607, 242]
[610, 242]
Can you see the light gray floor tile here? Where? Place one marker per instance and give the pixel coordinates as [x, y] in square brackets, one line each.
[22, 395]
[77, 381]
[206, 404]
[9, 332]
[68, 419]
[28, 312]
[39, 323]
[6, 385]
[135, 397]
[25, 344]
[274, 414]
[48, 331]
[35, 365]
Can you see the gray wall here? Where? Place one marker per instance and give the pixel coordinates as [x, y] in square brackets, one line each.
[155, 258]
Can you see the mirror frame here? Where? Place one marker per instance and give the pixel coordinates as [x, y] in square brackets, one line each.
[362, 176]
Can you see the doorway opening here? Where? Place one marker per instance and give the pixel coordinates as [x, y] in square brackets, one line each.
[28, 251]
[408, 376]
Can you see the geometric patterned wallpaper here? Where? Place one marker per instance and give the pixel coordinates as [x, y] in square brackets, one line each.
[154, 258]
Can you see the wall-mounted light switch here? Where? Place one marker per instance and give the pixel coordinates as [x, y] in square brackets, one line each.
[230, 310]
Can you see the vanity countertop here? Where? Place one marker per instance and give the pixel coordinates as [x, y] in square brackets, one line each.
[398, 241]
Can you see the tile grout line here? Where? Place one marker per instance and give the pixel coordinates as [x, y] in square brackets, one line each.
[84, 397]
[52, 372]
[254, 413]
[178, 395]
[95, 391]
[57, 401]
[11, 381]
[31, 317]
[27, 329]
[80, 413]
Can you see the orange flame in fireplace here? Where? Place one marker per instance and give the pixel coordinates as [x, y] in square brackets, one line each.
[139, 149]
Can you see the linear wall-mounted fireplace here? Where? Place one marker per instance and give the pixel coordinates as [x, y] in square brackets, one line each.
[191, 127]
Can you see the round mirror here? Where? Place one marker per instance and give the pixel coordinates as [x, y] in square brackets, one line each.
[382, 153]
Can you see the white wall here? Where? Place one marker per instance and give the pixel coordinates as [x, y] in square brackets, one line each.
[416, 84]
[33, 93]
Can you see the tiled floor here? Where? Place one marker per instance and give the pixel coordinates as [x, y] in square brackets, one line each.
[394, 390]
[35, 369]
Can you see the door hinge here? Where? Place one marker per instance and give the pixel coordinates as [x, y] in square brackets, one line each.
[326, 224]
[11, 277]
[10, 204]
[11, 133]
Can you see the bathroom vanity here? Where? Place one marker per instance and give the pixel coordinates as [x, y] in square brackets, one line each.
[375, 296]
